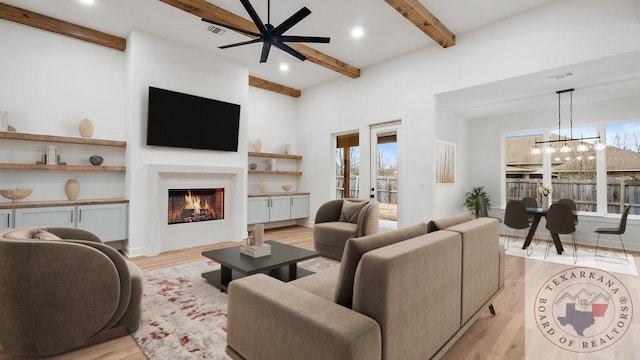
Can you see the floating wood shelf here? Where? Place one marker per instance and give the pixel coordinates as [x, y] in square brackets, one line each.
[275, 156]
[61, 139]
[52, 203]
[78, 168]
[277, 194]
[267, 172]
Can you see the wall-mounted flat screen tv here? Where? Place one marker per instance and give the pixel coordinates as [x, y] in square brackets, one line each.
[187, 121]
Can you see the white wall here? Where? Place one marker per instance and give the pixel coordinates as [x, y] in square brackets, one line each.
[48, 83]
[573, 31]
[153, 61]
[273, 120]
[452, 128]
[485, 160]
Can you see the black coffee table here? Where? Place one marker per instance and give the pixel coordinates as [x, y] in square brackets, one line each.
[281, 264]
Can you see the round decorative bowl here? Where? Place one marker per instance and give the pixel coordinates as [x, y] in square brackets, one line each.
[96, 160]
[287, 187]
[253, 166]
[15, 194]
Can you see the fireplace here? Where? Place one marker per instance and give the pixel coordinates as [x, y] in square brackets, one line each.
[195, 205]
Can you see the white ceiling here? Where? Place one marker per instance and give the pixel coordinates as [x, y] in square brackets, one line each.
[387, 33]
[603, 79]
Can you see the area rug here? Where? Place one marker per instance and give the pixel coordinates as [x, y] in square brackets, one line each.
[614, 262]
[184, 317]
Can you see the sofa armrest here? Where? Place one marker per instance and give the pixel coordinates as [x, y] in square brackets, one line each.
[268, 319]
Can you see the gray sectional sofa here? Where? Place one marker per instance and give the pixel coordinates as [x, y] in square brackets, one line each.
[404, 294]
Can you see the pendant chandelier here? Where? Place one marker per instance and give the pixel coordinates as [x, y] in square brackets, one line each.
[547, 145]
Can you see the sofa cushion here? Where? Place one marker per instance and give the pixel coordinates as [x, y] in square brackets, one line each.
[351, 210]
[43, 234]
[357, 247]
[444, 223]
[322, 283]
[334, 233]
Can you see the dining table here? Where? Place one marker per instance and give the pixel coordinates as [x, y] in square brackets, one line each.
[538, 213]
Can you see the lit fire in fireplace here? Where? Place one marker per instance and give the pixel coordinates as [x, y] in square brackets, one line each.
[187, 206]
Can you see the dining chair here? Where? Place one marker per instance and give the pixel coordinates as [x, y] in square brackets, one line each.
[614, 231]
[516, 219]
[560, 221]
[531, 202]
[574, 208]
[484, 212]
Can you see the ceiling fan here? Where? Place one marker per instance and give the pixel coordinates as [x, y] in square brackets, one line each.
[270, 35]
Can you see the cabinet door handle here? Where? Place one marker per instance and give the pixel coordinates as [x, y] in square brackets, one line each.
[71, 215]
[80, 216]
[8, 220]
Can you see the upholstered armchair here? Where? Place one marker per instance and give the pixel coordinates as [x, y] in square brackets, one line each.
[62, 288]
[339, 220]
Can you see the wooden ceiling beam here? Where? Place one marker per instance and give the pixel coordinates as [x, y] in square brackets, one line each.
[204, 9]
[61, 27]
[275, 87]
[421, 17]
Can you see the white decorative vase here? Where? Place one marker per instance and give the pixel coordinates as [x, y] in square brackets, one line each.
[263, 186]
[72, 189]
[545, 202]
[86, 128]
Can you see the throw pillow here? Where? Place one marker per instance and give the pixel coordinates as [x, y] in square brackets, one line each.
[42, 234]
[355, 248]
[351, 210]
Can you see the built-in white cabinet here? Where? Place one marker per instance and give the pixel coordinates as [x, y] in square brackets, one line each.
[299, 206]
[6, 219]
[263, 209]
[108, 220]
[268, 200]
[46, 216]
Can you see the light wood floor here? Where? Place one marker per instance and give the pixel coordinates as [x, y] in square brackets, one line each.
[490, 337]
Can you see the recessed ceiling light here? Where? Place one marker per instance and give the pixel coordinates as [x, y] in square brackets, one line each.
[357, 32]
[88, 2]
[284, 67]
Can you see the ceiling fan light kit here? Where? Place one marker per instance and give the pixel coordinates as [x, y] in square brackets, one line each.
[270, 35]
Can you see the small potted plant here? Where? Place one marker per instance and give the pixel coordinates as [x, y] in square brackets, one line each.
[471, 200]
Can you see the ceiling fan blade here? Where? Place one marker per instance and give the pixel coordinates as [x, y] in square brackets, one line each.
[309, 39]
[231, 27]
[254, 16]
[265, 52]
[286, 48]
[291, 21]
[240, 43]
